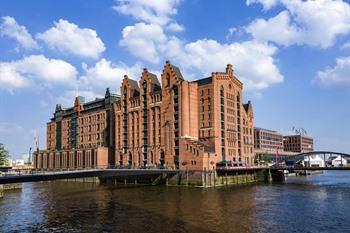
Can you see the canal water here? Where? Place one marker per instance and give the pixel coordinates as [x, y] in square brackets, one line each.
[318, 203]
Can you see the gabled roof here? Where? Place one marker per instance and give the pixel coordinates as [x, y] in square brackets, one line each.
[204, 81]
[248, 106]
[178, 72]
[155, 82]
[133, 84]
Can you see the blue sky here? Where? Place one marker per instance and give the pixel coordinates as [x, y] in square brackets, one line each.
[293, 57]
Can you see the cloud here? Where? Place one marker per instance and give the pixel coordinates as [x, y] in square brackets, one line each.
[106, 74]
[337, 76]
[151, 41]
[151, 11]
[10, 79]
[68, 97]
[23, 73]
[142, 40]
[267, 4]
[313, 23]
[231, 30]
[93, 83]
[279, 28]
[69, 38]
[346, 45]
[97, 78]
[253, 60]
[175, 27]
[10, 28]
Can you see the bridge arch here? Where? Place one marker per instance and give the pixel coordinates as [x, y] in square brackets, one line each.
[325, 158]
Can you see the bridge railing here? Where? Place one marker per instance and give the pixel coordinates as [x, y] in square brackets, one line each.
[21, 172]
[43, 171]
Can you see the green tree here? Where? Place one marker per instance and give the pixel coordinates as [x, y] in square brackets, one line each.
[4, 154]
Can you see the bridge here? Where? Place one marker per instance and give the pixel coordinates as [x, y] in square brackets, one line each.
[153, 176]
[316, 160]
[310, 161]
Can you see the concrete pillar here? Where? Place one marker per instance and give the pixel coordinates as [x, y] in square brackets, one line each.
[1, 189]
[277, 176]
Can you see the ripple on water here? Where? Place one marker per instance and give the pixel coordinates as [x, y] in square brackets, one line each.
[304, 204]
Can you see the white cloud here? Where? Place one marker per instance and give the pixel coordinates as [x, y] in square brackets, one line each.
[150, 41]
[279, 28]
[253, 61]
[10, 79]
[22, 73]
[68, 37]
[313, 23]
[68, 97]
[267, 4]
[151, 11]
[10, 28]
[106, 74]
[175, 27]
[346, 45]
[142, 40]
[337, 76]
[231, 30]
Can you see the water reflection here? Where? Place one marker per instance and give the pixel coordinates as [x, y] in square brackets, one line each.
[303, 204]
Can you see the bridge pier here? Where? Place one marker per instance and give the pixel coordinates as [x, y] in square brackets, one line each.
[272, 176]
[1, 189]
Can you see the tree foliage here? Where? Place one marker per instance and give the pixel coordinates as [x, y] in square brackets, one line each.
[4, 154]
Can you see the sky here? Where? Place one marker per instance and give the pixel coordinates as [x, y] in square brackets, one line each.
[293, 57]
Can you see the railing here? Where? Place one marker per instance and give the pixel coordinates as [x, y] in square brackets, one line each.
[239, 168]
[20, 172]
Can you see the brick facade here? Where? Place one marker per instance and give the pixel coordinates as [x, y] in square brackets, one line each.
[269, 140]
[298, 143]
[176, 123]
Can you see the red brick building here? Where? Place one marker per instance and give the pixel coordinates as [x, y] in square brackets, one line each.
[298, 143]
[175, 123]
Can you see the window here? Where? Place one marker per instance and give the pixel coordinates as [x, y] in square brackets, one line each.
[167, 79]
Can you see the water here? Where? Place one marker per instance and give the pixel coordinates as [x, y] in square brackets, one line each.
[319, 203]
